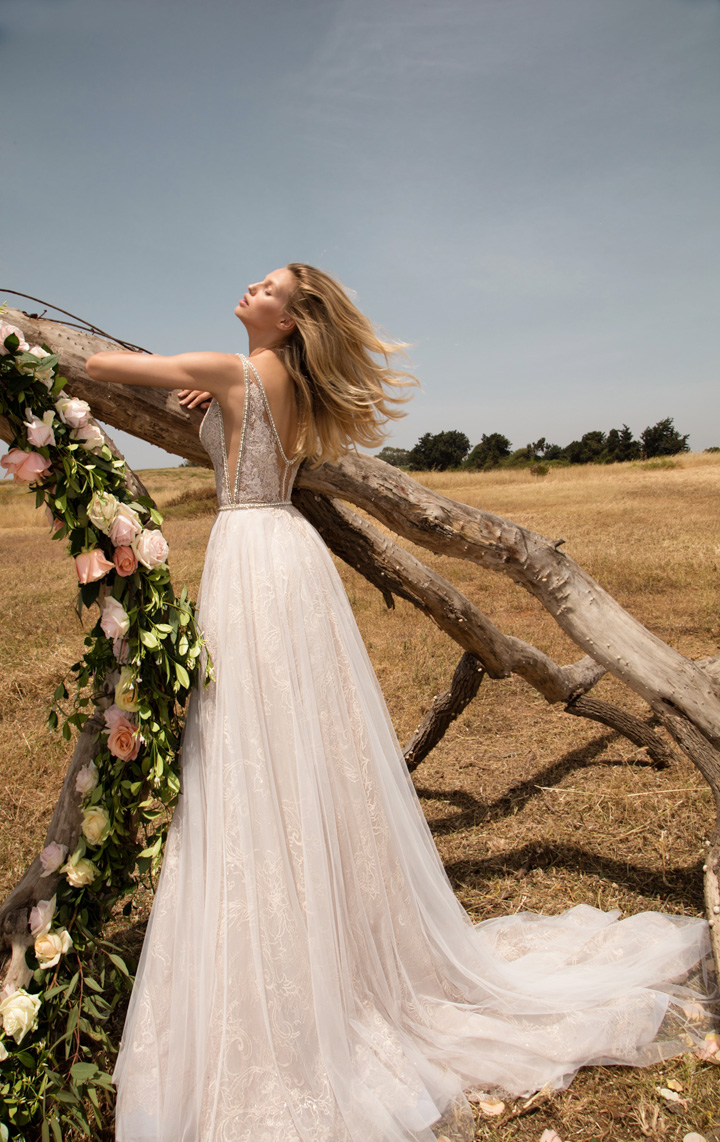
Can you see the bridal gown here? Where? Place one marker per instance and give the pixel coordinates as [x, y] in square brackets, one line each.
[308, 974]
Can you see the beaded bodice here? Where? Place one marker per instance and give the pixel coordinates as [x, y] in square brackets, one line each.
[264, 475]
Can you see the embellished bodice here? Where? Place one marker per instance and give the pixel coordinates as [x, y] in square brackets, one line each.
[264, 475]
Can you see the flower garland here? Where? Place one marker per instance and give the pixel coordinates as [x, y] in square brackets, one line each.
[55, 1047]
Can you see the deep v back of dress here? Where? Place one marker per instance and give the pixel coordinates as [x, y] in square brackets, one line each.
[307, 973]
[263, 473]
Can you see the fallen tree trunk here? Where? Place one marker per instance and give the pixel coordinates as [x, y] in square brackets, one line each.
[685, 694]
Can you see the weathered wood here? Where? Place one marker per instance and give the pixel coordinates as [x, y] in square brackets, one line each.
[444, 710]
[395, 571]
[707, 759]
[626, 724]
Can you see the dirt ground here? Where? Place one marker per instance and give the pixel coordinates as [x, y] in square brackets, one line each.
[531, 808]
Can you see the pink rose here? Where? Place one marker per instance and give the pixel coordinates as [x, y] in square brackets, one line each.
[52, 857]
[113, 715]
[125, 561]
[114, 620]
[124, 740]
[5, 331]
[92, 565]
[125, 526]
[41, 917]
[151, 548]
[25, 467]
[40, 432]
[73, 411]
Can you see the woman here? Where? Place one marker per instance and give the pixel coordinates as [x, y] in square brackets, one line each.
[307, 972]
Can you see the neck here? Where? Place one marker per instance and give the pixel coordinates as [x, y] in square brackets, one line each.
[259, 342]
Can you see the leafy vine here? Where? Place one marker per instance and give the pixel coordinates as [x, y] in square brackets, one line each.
[146, 651]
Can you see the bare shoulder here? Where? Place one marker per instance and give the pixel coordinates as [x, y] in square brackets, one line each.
[273, 373]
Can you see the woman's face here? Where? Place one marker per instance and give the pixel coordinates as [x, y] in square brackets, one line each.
[262, 308]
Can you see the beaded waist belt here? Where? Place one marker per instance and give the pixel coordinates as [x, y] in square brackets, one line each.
[266, 504]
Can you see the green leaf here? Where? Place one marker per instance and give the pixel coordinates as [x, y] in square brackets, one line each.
[120, 964]
[82, 1072]
[182, 675]
[148, 639]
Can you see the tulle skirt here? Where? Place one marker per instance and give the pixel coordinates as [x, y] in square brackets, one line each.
[307, 972]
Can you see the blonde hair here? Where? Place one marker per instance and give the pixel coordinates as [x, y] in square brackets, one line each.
[342, 392]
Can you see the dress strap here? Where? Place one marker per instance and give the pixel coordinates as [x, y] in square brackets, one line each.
[247, 363]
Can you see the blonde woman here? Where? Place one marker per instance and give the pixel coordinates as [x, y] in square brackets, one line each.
[307, 972]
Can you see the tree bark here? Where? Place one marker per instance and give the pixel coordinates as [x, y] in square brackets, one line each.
[444, 710]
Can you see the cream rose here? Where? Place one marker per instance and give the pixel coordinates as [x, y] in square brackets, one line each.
[41, 917]
[6, 330]
[126, 690]
[40, 431]
[80, 872]
[114, 619]
[90, 436]
[86, 779]
[125, 526]
[19, 1014]
[151, 548]
[52, 857]
[51, 946]
[92, 565]
[95, 825]
[102, 510]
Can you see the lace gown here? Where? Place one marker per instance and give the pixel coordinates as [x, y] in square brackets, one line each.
[308, 974]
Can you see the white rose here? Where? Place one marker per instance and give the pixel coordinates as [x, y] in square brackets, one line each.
[5, 330]
[102, 510]
[86, 779]
[151, 548]
[3, 1057]
[4, 1132]
[114, 620]
[80, 872]
[41, 917]
[19, 1014]
[90, 436]
[51, 946]
[95, 825]
[52, 857]
[73, 411]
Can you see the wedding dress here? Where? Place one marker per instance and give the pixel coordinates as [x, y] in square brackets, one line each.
[308, 974]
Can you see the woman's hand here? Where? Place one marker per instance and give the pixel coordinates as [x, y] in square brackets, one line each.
[194, 398]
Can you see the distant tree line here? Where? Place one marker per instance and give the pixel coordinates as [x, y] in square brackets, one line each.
[442, 450]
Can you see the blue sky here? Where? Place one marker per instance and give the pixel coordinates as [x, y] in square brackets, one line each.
[526, 190]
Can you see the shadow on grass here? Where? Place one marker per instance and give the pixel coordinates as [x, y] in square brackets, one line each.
[476, 812]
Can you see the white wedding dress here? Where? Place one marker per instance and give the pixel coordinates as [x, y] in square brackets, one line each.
[308, 974]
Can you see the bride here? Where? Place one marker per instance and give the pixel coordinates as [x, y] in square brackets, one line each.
[307, 973]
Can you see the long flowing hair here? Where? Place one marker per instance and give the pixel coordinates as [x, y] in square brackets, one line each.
[345, 396]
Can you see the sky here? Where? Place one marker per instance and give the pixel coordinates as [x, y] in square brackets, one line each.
[524, 190]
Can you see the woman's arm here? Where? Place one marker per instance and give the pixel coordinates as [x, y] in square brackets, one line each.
[209, 372]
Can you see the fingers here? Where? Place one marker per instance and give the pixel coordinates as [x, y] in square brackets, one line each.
[194, 398]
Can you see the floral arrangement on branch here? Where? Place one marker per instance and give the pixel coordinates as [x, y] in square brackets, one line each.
[145, 650]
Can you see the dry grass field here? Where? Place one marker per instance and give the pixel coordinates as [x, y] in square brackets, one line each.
[531, 809]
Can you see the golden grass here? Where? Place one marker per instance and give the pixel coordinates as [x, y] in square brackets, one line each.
[530, 808]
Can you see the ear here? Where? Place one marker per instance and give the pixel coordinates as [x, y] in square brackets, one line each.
[286, 323]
